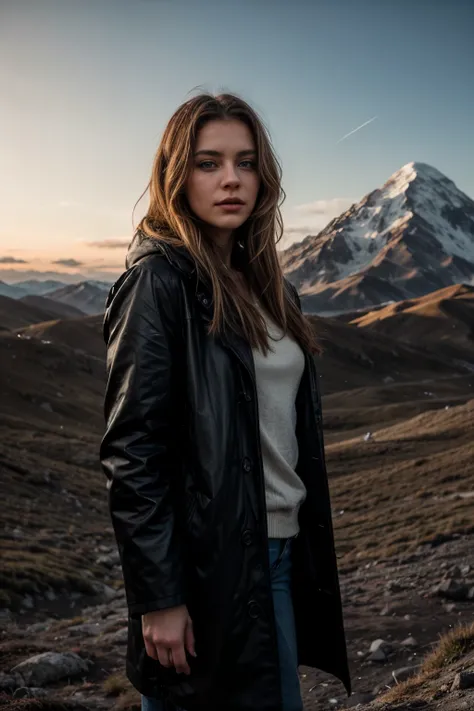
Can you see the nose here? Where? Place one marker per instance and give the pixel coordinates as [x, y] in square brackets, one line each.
[230, 177]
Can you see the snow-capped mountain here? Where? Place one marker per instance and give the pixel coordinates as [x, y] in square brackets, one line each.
[410, 237]
[87, 296]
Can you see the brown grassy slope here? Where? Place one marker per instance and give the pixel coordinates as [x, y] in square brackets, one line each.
[431, 688]
[442, 321]
[412, 481]
[53, 492]
[83, 334]
[356, 357]
[359, 410]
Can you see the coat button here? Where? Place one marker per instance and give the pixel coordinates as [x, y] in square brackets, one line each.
[246, 464]
[247, 538]
[203, 299]
[253, 609]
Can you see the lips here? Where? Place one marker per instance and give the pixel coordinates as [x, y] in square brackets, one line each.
[231, 201]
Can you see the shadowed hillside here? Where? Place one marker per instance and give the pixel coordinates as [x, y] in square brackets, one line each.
[16, 313]
[442, 322]
[83, 334]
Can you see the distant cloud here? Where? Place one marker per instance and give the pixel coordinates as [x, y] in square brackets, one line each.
[326, 208]
[113, 243]
[312, 217]
[68, 262]
[12, 260]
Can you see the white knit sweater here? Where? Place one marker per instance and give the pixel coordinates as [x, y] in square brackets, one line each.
[278, 376]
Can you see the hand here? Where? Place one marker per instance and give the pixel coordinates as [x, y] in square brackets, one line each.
[168, 634]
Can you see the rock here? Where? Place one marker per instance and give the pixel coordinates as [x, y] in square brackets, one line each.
[394, 587]
[38, 627]
[377, 656]
[105, 591]
[440, 538]
[380, 644]
[463, 680]
[10, 681]
[111, 624]
[451, 590]
[50, 595]
[410, 642]
[357, 699]
[109, 560]
[379, 651]
[470, 594]
[404, 673]
[30, 692]
[46, 406]
[86, 630]
[49, 667]
[28, 602]
[118, 637]
[387, 610]
[368, 437]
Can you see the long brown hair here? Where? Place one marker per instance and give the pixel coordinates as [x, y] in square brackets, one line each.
[169, 218]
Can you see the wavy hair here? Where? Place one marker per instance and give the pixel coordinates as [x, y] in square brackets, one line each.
[170, 219]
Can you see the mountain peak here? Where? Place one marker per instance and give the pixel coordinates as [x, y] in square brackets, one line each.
[413, 235]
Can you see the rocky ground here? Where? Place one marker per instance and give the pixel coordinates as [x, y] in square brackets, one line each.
[400, 456]
[71, 647]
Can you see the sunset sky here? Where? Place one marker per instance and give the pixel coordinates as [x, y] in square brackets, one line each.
[87, 87]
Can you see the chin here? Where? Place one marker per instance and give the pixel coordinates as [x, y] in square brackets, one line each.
[229, 221]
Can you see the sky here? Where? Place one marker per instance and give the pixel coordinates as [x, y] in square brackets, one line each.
[87, 87]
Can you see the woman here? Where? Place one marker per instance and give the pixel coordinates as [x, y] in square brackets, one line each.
[213, 447]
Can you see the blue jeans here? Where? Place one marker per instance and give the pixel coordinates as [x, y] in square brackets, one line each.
[279, 551]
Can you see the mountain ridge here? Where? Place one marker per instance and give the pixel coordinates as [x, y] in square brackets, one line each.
[413, 235]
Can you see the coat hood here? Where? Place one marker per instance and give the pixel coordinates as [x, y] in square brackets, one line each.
[143, 246]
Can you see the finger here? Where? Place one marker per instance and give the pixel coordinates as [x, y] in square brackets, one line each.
[163, 656]
[179, 659]
[150, 649]
[189, 638]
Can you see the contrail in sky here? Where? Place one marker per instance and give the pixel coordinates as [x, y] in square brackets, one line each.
[356, 129]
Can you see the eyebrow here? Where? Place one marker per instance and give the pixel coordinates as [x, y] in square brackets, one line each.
[218, 154]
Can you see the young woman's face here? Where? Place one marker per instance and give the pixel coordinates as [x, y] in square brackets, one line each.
[223, 168]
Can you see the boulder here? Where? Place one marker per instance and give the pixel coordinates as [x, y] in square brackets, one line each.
[451, 590]
[49, 667]
[463, 680]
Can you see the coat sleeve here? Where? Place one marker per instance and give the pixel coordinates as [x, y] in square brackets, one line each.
[138, 450]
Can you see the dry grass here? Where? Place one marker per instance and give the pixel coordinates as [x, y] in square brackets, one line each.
[404, 487]
[7, 703]
[116, 684]
[452, 648]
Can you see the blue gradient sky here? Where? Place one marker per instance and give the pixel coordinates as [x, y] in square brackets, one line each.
[88, 85]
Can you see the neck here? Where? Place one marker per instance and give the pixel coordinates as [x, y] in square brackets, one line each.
[224, 243]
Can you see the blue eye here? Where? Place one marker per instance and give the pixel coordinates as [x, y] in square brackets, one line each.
[251, 163]
[206, 163]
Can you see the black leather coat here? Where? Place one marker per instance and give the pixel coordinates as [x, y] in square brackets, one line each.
[181, 453]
